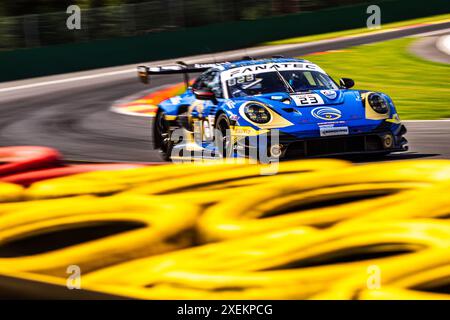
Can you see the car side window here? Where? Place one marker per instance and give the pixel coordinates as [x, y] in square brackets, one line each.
[215, 85]
[210, 80]
[199, 84]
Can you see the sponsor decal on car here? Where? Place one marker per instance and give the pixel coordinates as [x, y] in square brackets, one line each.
[230, 104]
[268, 67]
[326, 131]
[329, 123]
[308, 99]
[246, 131]
[175, 100]
[234, 117]
[326, 113]
[330, 94]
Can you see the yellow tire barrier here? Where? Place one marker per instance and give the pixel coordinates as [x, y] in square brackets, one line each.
[393, 293]
[427, 285]
[109, 182]
[10, 192]
[45, 204]
[31, 286]
[318, 199]
[92, 233]
[207, 188]
[226, 270]
[188, 285]
[310, 231]
[314, 208]
[421, 276]
[431, 202]
[242, 254]
[175, 284]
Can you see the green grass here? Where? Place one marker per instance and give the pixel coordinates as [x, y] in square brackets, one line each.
[420, 89]
[337, 34]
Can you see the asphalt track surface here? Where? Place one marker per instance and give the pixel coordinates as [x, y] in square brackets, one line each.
[426, 48]
[74, 116]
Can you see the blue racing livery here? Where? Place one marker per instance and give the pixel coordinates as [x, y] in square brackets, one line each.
[312, 114]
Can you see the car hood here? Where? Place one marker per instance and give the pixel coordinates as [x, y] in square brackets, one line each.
[316, 105]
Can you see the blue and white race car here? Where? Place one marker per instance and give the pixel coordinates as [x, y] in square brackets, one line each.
[312, 115]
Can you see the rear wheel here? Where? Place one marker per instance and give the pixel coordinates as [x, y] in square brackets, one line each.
[163, 134]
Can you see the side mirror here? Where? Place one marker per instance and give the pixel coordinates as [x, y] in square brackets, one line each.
[204, 95]
[346, 83]
[143, 74]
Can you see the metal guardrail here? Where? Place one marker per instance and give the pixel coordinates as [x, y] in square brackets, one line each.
[143, 18]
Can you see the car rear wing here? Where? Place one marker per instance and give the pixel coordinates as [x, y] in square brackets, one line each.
[144, 72]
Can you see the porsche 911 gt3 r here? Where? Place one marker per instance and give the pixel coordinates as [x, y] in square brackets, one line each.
[311, 113]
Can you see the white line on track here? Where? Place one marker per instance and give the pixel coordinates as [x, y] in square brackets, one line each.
[47, 83]
[432, 33]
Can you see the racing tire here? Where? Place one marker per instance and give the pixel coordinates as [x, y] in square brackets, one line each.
[163, 136]
[222, 136]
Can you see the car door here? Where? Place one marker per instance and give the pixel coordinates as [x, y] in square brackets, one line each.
[203, 110]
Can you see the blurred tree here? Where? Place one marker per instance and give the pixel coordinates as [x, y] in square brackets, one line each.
[196, 11]
[22, 7]
[116, 20]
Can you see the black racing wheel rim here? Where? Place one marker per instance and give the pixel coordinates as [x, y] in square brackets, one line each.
[165, 142]
[223, 139]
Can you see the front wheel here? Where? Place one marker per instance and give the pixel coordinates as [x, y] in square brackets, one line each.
[163, 135]
[223, 136]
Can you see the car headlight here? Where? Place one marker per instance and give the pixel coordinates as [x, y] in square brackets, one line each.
[257, 112]
[378, 103]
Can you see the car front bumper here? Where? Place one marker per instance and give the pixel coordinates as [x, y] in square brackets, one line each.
[380, 141]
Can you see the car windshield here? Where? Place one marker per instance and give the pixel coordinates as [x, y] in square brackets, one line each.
[268, 82]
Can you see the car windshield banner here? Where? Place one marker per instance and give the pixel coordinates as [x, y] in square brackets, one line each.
[269, 67]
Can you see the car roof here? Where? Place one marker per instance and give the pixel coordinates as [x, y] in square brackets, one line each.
[244, 63]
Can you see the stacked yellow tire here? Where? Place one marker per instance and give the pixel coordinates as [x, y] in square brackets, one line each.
[324, 229]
